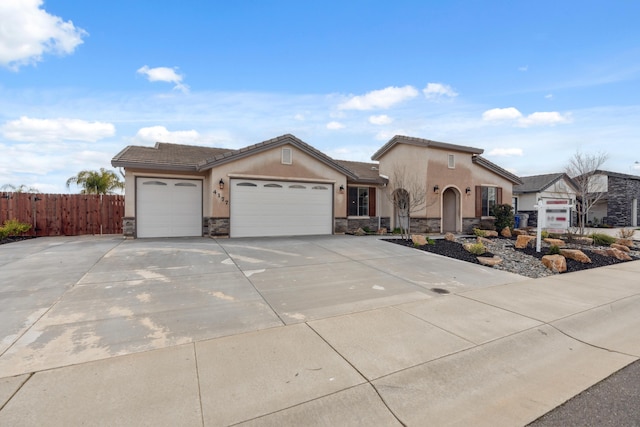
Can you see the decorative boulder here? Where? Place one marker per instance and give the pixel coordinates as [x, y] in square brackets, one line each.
[557, 242]
[382, 230]
[622, 248]
[618, 254]
[450, 237]
[555, 263]
[490, 233]
[489, 261]
[418, 239]
[359, 232]
[625, 242]
[506, 232]
[583, 240]
[575, 254]
[523, 241]
[518, 232]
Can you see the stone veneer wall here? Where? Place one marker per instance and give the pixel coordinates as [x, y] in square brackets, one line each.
[340, 225]
[128, 226]
[371, 223]
[468, 224]
[424, 225]
[621, 193]
[217, 226]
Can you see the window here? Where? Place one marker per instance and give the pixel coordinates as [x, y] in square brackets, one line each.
[273, 186]
[452, 161]
[286, 156]
[358, 199]
[297, 186]
[486, 198]
[246, 184]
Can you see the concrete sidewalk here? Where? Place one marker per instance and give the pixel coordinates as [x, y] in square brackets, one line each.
[498, 350]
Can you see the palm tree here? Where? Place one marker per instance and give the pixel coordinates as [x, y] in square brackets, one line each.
[94, 182]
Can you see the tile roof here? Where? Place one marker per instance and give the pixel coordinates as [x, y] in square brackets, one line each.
[365, 172]
[537, 183]
[165, 156]
[481, 161]
[401, 139]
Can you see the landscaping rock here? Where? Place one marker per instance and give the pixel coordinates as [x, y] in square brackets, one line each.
[518, 232]
[623, 248]
[489, 261]
[625, 242]
[506, 232]
[359, 232]
[613, 252]
[490, 233]
[418, 239]
[382, 230]
[450, 237]
[555, 263]
[557, 242]
[523, 241]
[484, 240]
[575, 254]
[583, 240]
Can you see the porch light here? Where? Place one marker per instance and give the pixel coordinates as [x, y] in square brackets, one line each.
[221, 184]
[436, 188]
[468, 190]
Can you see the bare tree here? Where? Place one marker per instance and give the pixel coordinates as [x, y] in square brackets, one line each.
[407, 194]
[583, 168]
[22, 188]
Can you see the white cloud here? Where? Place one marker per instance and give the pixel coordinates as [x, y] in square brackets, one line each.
[438, 91]
[299, 117]
[523, 68]
[549, 96]
[164, 74]
[505, 152]
[380, 99]
[496, 114]
[382, 119]
[53, 130]
[27, 32]
[153, 134]
[548, 118]
[335, 125]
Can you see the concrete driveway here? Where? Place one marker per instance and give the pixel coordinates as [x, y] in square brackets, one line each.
[68, 300]
[335, 330]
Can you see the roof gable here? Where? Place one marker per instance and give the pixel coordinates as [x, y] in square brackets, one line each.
[366, 173]
[481, 161]
[401, 139]
[538, 183]
[165, 156]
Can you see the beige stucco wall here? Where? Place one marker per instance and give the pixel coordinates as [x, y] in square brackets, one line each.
[429, 167]
[268, 165]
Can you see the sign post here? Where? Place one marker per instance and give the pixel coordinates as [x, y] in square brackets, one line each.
[554, 215]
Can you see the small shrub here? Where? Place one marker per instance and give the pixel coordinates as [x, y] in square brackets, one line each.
[13, 227]
[479, 233]
[416, 244]
[544, 234]
[504, 216]
[366, 229]
[430, 241]
[476, 248]
[602, 239]
[626, 233]
[553, 250]
[396, 230]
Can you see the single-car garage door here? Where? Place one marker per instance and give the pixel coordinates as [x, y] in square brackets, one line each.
[280, 208]
[168, 207]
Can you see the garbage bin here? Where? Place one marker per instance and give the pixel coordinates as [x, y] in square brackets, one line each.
[524, 220]
[517, 221]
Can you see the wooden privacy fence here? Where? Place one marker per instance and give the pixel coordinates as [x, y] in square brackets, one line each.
[64, 214]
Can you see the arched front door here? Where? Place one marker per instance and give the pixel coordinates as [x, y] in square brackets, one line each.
[450, 211]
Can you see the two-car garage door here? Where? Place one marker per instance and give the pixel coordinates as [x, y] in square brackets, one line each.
[168, 207]
[280, 208]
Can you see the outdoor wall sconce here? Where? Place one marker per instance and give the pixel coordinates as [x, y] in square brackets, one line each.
[221, 184]
[342, 188]
[468, 190]
[436, 188]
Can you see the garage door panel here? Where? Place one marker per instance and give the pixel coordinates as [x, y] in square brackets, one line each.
[168, 207]
[275, 208]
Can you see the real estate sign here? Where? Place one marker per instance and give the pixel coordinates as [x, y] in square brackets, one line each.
[554, 215]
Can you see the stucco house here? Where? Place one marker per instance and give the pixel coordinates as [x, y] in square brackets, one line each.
[284, 186]
[537, 187]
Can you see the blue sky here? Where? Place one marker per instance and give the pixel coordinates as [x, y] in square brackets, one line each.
[531, 83]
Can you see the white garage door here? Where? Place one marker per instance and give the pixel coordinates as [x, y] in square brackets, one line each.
[278, 208]
[168, 207]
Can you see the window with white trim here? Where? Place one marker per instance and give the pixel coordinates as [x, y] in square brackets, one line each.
[287, 156]
[358, 198]
[452, 161]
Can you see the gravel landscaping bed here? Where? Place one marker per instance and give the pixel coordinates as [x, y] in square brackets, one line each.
[525, 262]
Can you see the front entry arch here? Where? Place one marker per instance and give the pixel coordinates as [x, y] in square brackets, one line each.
[451, 211]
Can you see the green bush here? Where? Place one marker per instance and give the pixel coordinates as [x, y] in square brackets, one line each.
[479, 233]
[397, 230]
[544, 234]
[553, 250]
[13, 227]
[503, 215]
[476, 248]
[602, 239]
[430, 241]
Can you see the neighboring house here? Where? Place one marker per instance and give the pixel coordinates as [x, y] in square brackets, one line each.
[461, 185]
[537, 187]
[618, 203]
[284, 186]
